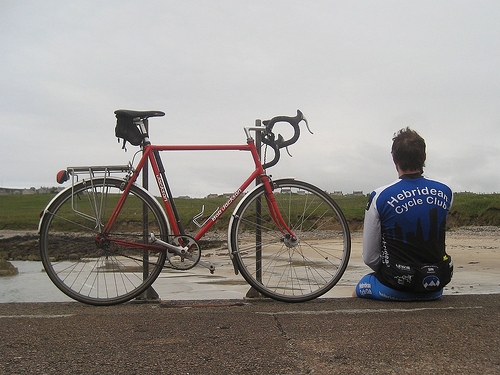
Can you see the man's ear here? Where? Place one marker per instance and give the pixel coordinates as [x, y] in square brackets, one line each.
[396, 165]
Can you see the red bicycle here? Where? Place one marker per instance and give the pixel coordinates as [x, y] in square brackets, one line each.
[105, 239]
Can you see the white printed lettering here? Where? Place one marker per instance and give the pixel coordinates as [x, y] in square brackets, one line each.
[404, 201]
[221, 210]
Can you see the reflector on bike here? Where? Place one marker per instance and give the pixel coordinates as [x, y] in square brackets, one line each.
[62, 176]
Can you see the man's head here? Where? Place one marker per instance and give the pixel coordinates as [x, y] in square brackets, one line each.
[408, 150]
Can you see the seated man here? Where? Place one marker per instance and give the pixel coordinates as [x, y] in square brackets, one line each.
[404, 230]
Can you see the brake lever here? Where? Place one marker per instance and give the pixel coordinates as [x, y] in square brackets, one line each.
[308, 129]
[307, 124]
[281, 139]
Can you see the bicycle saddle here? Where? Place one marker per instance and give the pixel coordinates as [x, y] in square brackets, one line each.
[140, 114]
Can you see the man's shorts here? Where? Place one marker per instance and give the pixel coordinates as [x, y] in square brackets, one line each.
[370, 287]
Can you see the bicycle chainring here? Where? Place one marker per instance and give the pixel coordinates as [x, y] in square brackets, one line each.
[187, 260]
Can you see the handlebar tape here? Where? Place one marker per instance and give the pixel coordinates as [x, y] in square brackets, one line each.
[280, 142]
[294, 121]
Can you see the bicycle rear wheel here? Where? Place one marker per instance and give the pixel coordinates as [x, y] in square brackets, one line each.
[96, 270]
[284, 270]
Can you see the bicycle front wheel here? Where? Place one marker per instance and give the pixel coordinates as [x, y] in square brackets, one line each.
[92, 268]
[290, 271]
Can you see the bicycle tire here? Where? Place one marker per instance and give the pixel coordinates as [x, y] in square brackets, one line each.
[100, 272]
[288, 272]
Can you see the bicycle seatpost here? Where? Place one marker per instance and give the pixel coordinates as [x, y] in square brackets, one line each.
[144, 128]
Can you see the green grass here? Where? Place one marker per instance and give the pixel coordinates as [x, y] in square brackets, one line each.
[21, 212]
[353, 206]
[475, 204]
[475, 209]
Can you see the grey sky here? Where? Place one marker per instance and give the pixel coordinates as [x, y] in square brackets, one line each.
[359, 70]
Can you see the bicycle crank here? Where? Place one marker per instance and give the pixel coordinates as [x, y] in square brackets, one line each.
[183, 253]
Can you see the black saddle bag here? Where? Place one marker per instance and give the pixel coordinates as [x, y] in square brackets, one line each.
[128, 131]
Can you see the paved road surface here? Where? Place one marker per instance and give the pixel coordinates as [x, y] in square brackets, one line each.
[454, 335]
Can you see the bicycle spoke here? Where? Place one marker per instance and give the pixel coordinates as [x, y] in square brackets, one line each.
[286, 270]
[82, 262]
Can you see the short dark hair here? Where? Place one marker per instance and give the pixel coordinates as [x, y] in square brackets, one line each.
[408, 150]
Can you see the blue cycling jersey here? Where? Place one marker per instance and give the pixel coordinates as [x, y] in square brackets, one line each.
[404, 234]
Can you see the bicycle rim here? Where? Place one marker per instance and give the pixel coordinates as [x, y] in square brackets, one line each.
[101, 272]
[291, 271]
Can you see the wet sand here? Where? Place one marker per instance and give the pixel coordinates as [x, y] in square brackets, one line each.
[475, 252]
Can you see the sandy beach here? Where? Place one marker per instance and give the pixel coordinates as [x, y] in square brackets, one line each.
[476, 258]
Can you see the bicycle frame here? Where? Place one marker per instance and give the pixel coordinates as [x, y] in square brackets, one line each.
[151, 154]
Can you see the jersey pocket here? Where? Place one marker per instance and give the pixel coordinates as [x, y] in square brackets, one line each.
[424, 278]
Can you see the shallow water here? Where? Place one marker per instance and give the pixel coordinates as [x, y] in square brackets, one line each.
[31, 284]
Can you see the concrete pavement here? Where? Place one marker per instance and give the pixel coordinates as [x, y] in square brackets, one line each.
[457, 334]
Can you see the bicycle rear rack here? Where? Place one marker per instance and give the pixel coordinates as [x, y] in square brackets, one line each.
[90, 173]
[93, 170]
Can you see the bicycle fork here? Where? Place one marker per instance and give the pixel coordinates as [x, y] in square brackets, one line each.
[290, 239]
